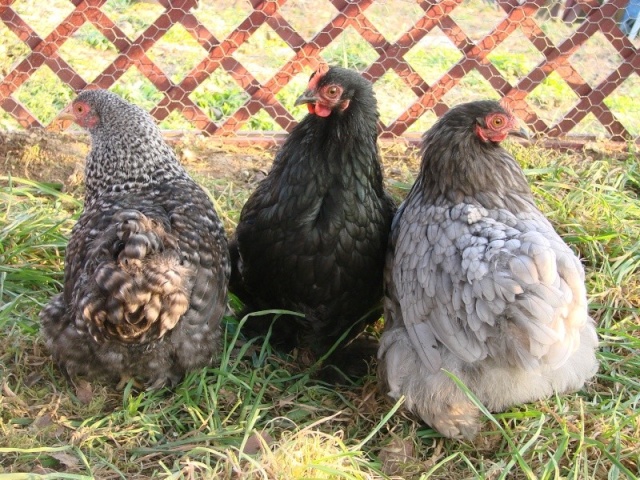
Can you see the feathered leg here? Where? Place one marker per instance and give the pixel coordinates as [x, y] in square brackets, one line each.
[432, 396]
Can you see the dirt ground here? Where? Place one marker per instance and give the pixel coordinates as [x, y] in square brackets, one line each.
[58, 158]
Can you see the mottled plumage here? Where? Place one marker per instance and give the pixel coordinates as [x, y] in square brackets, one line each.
[312, 237]
[146, 268]
[478, 283]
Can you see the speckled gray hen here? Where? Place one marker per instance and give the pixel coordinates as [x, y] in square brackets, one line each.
[312, 237]
[478, 283]
[146, 268]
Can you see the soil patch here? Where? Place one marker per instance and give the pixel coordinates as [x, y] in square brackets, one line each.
[58, 158]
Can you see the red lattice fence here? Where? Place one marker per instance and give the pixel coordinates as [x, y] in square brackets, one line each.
[600, 82]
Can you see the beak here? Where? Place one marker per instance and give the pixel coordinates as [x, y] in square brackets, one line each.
[67, 116]
[306, 97]
[58, 124]
[520, 132]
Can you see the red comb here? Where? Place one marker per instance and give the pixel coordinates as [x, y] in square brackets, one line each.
[323, 68]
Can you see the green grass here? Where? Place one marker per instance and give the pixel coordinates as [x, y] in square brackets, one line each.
[255, 414]
[33, 237]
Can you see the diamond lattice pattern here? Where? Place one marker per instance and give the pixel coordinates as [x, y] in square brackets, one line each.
[229, 66]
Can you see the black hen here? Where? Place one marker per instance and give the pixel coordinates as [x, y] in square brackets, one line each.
[147, 265]
[312, 237]
[478, 283]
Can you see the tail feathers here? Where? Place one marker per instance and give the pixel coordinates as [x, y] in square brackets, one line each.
[141, 292]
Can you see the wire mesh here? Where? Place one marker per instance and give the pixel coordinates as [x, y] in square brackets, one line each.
[232, 67]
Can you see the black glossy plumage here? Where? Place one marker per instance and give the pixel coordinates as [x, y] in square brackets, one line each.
[147, 265]
[313, 235]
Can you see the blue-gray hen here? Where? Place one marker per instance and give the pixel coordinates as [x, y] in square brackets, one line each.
[147, 265]
[478, 283]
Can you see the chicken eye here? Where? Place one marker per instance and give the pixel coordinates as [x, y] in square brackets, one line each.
[79, 108]
[497, 121]
[332, 91]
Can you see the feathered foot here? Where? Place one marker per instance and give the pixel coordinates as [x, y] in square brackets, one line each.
[350, 362]
[432, 396]
[124, 379]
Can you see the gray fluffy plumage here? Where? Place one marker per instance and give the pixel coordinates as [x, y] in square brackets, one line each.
[478, 283]
[146, 268]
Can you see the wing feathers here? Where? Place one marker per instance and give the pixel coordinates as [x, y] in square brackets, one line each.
[524, 270]
[423, 338]
[467, 279]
